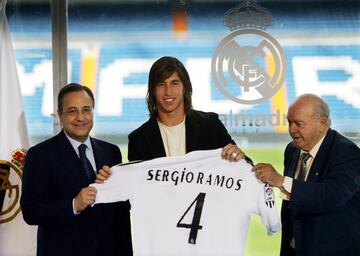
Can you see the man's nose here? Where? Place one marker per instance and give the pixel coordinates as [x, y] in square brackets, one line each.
[167, 89]
[80, 115]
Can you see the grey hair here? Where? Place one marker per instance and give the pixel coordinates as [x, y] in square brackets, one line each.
[321, 108]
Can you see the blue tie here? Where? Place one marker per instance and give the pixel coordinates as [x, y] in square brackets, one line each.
[89, 171]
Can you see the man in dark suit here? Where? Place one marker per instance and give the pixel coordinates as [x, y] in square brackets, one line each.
[174, 127]
[320, 187]
[55, 192]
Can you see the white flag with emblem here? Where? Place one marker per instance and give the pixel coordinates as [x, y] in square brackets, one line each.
[16, 237]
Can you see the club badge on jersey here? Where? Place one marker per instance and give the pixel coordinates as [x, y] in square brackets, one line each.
[269, 195]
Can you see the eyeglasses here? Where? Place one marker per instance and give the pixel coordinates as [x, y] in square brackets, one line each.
[75, 111]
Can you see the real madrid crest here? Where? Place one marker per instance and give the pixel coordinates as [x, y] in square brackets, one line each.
[249, 59]
[10, 185]
[269, 195]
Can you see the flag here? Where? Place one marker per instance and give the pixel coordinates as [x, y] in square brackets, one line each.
[16, 237]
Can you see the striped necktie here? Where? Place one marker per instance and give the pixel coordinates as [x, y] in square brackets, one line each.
[302, 171]
[89, 171]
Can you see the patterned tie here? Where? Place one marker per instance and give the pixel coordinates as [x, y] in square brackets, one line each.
[302, 171]
[90, 174]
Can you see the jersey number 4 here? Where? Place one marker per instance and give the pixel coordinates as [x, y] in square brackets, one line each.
[194, 226]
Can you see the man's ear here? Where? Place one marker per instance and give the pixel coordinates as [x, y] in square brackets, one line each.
[323, 123]
[57, 118]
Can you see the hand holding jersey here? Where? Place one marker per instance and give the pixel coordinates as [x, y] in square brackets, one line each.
[197, 204]
[103, 174]
[232, 152]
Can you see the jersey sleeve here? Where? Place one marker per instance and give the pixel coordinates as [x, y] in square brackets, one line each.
[119, 187]
[267, 209]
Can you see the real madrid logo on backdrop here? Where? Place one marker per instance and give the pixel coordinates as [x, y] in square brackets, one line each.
[249, 65]
[10, 182]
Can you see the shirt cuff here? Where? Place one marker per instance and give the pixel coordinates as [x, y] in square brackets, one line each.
[286, 188]
[73, 206]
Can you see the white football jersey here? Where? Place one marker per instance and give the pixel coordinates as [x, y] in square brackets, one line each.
[196, 204]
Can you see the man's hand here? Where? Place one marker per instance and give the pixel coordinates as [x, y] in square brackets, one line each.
[103, 174]
[85, 198]
[232, 153]
[267, 174]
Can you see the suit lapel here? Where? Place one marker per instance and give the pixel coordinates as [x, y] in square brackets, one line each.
[71, 161]
[154, 142]
[192, 130]
[320, 159]
[99, 154]
[293, 162]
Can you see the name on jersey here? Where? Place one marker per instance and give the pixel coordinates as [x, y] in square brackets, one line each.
[195, 178]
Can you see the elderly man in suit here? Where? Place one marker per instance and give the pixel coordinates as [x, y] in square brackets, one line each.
[320, 187]
[55, 192]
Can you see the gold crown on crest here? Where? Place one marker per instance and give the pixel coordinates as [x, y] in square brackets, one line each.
[247, 14]
[18, 157]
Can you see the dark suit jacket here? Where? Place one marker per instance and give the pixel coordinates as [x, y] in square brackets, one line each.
[204, 131]
[327, 205]
[52, 178]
